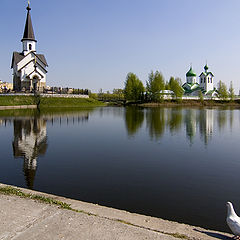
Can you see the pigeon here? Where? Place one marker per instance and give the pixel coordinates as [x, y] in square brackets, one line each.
[233, 220]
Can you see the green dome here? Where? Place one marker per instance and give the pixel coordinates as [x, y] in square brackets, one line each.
[206, 67]
[191, 73]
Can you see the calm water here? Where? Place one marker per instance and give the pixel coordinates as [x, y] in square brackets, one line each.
[180, 164]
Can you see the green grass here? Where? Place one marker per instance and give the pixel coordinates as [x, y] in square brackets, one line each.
[55, 102]
[16, 100]
[49, 102]
[19, 193]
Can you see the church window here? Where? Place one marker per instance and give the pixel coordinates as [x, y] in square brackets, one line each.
[30, 47]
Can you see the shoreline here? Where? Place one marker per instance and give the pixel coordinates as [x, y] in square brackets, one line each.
[152, 226]
[24, 102]
[190, 103]
[27, 102]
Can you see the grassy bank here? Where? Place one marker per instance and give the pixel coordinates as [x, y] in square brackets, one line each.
[50, 102]
[69, 102]
[17, 100]
[197, 103]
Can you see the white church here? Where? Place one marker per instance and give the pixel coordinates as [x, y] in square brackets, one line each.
[29, 68]
[205, 84]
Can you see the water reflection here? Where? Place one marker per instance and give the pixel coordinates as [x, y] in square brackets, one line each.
[161, 120]
[190, 123]
[30, 141]
[206, 122]
[30, 132]
[155, 122]
[222, 119]
[174, 120]
[134, 118]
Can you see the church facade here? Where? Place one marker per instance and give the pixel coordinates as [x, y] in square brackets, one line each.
[29, 68]
[205, 84]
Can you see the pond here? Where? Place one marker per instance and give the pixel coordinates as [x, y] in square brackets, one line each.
[180, 164]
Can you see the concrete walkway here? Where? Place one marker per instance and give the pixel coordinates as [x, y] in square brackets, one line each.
[23, 218]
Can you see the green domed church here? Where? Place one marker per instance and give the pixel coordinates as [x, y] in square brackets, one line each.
[205, 84]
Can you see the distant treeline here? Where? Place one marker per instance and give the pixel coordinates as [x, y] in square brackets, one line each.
[155, 89]
[135, 91]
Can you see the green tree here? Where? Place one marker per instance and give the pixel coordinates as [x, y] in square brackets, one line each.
[134, 88]
[155, 85]
[175, 85]
[100, 94]
[171, 83]
[222, 91]
[231, 92]
[119, 93]
[167, 87]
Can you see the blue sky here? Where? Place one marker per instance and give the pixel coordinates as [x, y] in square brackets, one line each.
[94, 44]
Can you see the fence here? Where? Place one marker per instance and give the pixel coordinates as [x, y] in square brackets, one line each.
[46, 95]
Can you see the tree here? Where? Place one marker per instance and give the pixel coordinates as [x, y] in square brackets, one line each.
[119, 93]
[134, 88]
[231, 92]
[100, 94]
[155, 85]
[222, 91]
[167, 87]
[171, 83]
[175, 86]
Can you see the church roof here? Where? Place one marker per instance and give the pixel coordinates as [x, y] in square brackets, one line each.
[191, 73]
[42, 59]
[18, 57]
[28, 32]
[206, 74]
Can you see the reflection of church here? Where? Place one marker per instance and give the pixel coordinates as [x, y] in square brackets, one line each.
[206, 121]
[191, 123]
[30, 141]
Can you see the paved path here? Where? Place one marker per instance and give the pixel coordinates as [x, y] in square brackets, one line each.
[22, 218]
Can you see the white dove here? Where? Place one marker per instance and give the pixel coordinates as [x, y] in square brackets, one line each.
[233, 220]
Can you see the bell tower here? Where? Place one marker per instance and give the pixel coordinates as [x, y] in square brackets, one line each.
[28, 40]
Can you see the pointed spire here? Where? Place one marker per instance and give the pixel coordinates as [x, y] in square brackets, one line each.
[206, 68]
[28, 32]
[28, 7]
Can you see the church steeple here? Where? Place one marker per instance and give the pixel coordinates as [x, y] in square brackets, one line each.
[28, 32]
[28, 40]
